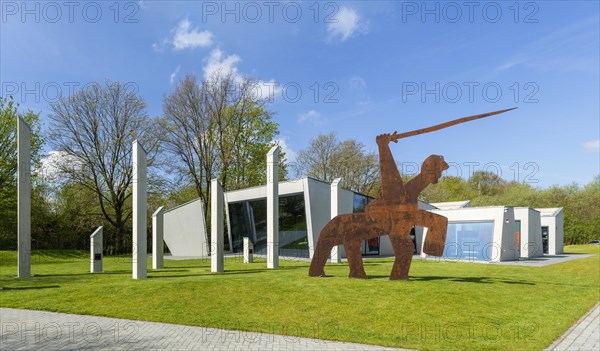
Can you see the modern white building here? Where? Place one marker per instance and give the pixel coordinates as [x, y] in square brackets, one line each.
[480, 233]
[529, 232]
[299, 224]
[184, 230]
[493, 234]
[552, 222]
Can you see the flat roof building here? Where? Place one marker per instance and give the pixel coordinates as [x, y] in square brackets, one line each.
[552, 222]
[497, 233]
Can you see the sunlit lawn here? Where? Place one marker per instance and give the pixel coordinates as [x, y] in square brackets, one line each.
[445, 305]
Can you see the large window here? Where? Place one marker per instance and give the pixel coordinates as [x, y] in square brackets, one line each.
[371, 246]
[360, 202]
[469, 240]
[258, 216]
[249, 219]
[293, 237]
[240, 224]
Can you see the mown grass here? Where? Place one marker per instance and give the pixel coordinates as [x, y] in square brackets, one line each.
[444, 306]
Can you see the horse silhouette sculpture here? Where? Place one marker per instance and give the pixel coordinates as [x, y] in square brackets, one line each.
[394, 213]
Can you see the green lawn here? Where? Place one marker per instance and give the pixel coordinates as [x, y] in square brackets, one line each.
[445, 305]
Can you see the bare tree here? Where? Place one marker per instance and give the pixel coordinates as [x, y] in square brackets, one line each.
[96, 127]
[215, 129]
[189, 135]
[327, 158]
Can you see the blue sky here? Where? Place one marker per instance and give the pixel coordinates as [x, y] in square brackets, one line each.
[356, 68]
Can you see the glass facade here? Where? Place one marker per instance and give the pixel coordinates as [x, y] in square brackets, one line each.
[249, 219]
[371, 246]
[240, 224]
[469, 240]
[360, 202]
[545, 233]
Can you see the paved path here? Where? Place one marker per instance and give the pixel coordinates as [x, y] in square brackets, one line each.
[584, 335]
[39, 330]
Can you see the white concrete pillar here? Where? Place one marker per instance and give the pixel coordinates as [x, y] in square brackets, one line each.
[273, 208]
[216, 226]
[96, 251]
[158, 244]
[24, 199]
[139, 212]
[248, 250]
[336, 256]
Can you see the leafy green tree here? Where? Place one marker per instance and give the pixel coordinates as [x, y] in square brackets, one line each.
[8, 165]
[8, 139]
[447, 189]
[486, 183]
[327, 158]
[218, 128]
[243, 153]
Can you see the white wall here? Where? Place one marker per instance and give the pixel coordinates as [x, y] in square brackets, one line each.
[346, 206]
[559, 238]
[531, 232]
[503, 236]
[553, 218]
[185, 230]
[317, 201]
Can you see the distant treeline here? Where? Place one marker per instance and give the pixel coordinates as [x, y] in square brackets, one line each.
[581, 204]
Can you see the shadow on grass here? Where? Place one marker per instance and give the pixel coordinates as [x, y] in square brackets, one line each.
[267, 269]
[30, 287]
[204, 274]
[479, 280]
[85, 274]
[184, 267]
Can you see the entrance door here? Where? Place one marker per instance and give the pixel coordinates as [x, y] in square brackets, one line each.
[545, 234]
[518, 238]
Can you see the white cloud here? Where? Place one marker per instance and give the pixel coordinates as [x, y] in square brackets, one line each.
[218, 61]
[51, 166]
[290, 155]
[592, 146]
[311, 116]
[174, 75]
[186, 37]
[345, 25]
[268, 89]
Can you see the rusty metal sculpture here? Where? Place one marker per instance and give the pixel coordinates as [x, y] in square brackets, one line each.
[394, 213]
